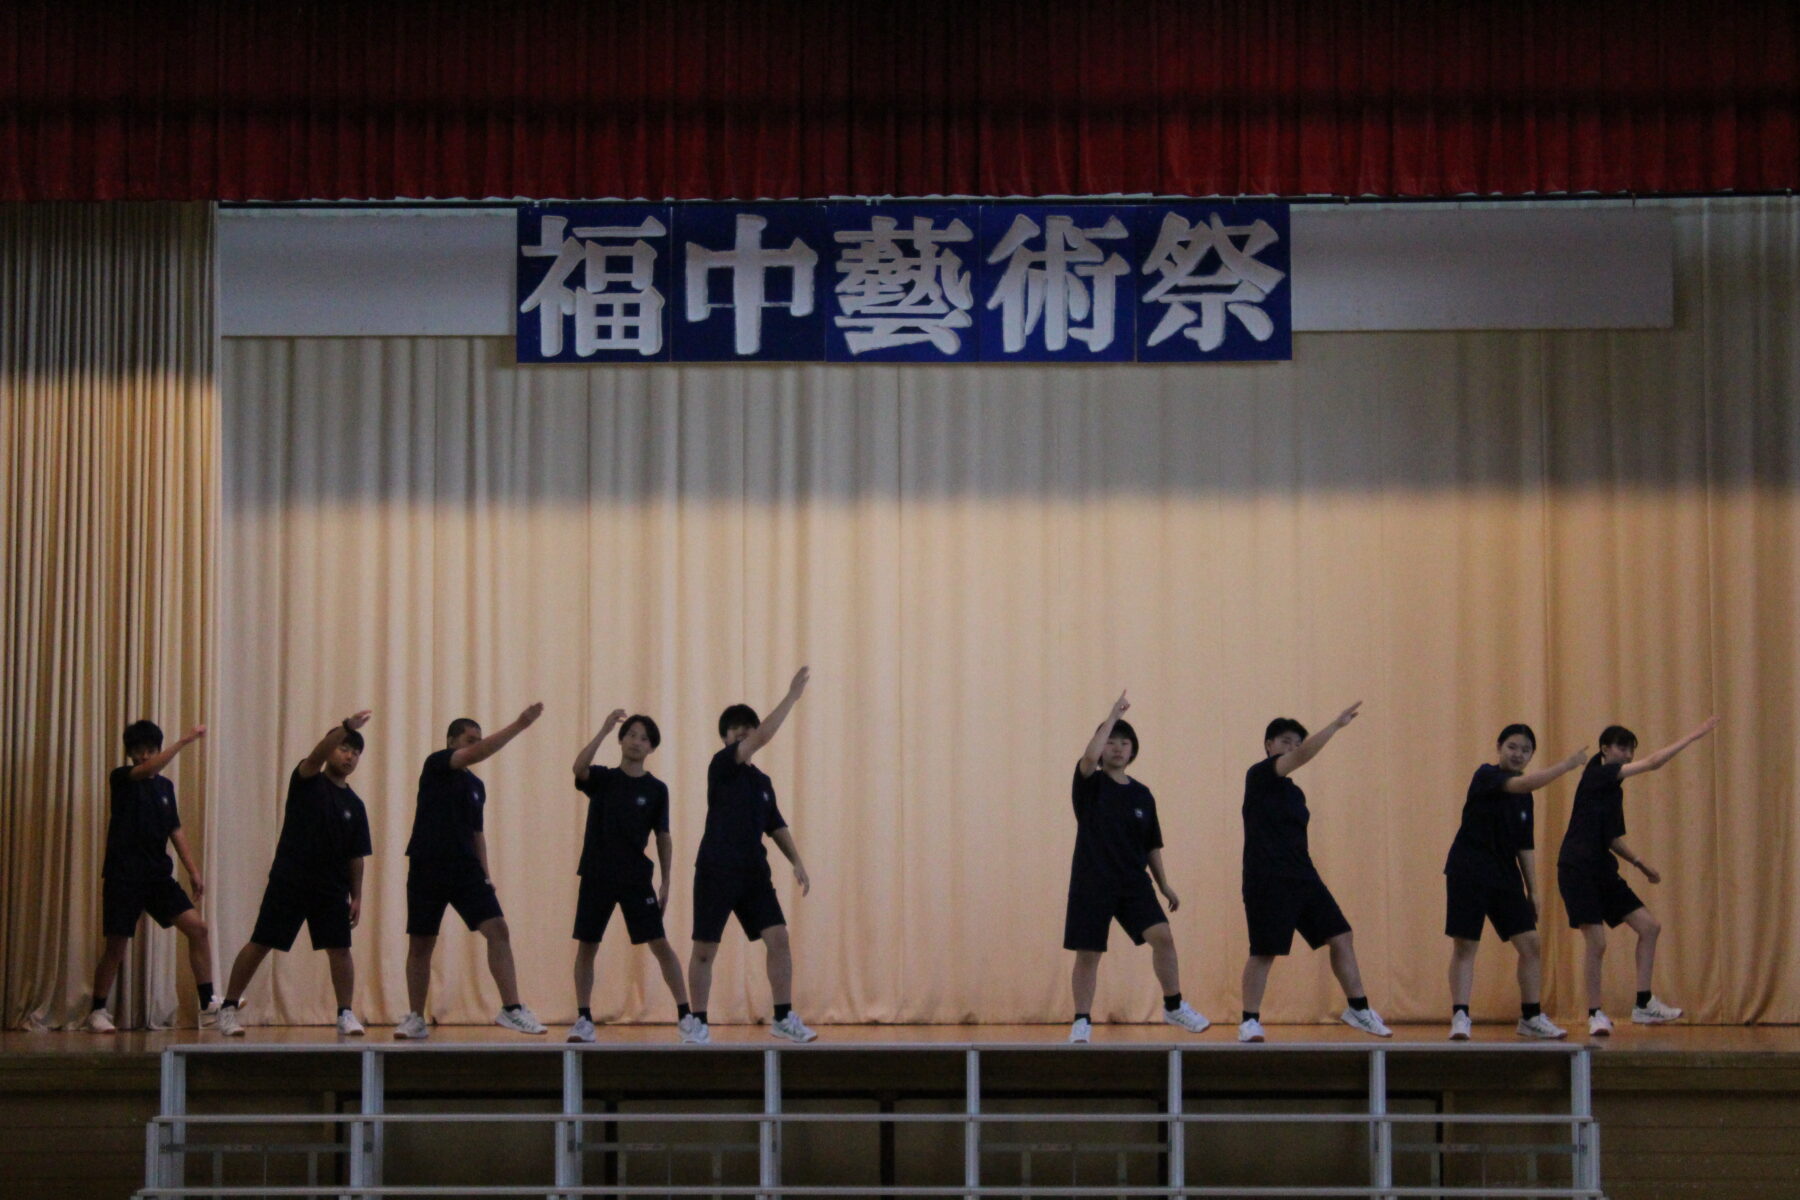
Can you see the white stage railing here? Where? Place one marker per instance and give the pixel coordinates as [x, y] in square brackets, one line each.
[359, 1156]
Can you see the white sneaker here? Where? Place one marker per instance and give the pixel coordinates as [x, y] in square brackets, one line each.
[694, 1031]
[1599, 1024]
[1367, 1020]
[348, 1025]
[99, 1021]
[792, 1028]
[1185, 1017]
[1251, 1031]
[1654, 1013]
[581, 1031]
[229, 1024]
[1081, 1032]
[412, 1025]
[519, 1020]
[1461, 1026]
[1540, 1026]
[209, 1015]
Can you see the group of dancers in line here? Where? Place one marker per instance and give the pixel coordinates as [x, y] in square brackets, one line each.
[316, 876]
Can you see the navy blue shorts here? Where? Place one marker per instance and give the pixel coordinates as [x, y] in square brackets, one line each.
[1592, 899]
[1468, 904]
[637, 901]
[1276, 909]
[1093, 908]
[429, 890]
[720, 895]
[123, 901]
[286, 906]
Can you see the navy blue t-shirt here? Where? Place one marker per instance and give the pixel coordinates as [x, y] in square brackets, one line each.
[448, 816]
[1598, 817]
[1115, 830]
[138, 826]
[623, 811]
[323, 827]
[1275, 819]
[740, 809]
[1496, 825]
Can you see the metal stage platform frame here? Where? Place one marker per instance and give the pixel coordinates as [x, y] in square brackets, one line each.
[177, 1135]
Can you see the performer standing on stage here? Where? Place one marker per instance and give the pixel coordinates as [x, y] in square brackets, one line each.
[450, 868]
[137, 874]
[626, 804]
[731, 872]
[1490, 876]
[316, 879]
[1117, 836]
[1282, 889]
[1587, 873]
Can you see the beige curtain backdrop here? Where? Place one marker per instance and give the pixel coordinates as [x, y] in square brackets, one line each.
[108, 492]
[1461, 530]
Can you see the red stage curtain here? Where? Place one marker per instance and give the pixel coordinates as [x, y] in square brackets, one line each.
[218, 99]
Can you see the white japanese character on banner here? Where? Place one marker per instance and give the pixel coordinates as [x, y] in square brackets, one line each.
[1237, 287]
[1067, 281]
[749, 264]
[613, 310]
[902, 287]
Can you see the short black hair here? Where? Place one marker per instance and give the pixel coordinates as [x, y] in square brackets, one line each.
[738, 714]
[145, 735]
[458, 726]
[353, 738]
[1618, 735]
[1122, 729]
[1516, 728]
[1281, 725]
[650, 729]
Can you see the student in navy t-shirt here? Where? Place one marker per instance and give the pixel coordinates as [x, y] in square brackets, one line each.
[626, 804]
[316, 878]
[1117, 839]
[1491, 875]
[138, 876]
[448, 868]
[731, 872]
[1587, 871]
[1283, 893]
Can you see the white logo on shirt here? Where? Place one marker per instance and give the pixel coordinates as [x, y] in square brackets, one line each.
[643, 800]
[1139, 812]
[767, 799]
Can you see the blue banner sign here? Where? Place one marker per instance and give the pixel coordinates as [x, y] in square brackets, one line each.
[852, 282]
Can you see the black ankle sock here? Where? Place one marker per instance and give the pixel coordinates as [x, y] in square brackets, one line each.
[1593, 1012]
[1171, 1003]
[782, 1010]
[206, 994]
[99, 1003]
[682, 1010]
[342, 1011]
[513, 1007]
[1359, 1004]
[586, 1012]
[229, 1002]
[1643, 999]
[1528, 1011]
[1084, 1017]
[1459, 1008]
[701, 1014]
[1251, 1016]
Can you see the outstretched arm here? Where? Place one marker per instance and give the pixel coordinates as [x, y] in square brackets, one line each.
[490, 745]
[1537, 779]
[1304, 753]
[784, 839]
[585, 759]
[1661, 758]
[1090, 758]
[162, 758]
[313, 763]
[759, 737]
